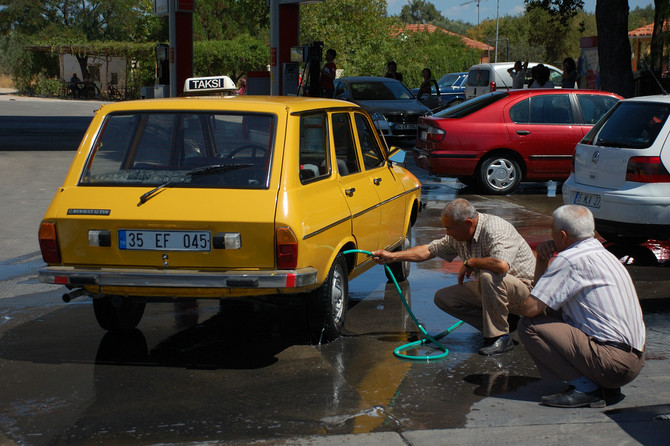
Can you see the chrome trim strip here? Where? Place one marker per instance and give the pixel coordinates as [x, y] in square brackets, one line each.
[137, 277]
[550, 156]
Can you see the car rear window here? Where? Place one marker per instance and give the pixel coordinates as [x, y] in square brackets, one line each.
[632, 125]
[182, 149]
[468, 107]
[478, 78]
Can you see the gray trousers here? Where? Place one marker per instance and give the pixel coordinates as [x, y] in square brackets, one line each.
[564, 353]
[486, 302]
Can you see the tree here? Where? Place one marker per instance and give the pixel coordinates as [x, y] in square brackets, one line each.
[659, 37]
[420, 11]
[227, 19]
[616, 73]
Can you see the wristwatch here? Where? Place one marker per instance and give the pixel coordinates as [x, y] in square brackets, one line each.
[466, 265]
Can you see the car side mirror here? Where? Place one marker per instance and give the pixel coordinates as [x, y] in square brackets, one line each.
[397, 156]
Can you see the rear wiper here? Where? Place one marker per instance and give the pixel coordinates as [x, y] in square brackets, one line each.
[204, 170]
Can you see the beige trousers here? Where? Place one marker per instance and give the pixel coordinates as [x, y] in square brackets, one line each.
[485, 303]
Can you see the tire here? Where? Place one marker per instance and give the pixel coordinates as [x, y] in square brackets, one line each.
[401, 270]
[499, 174]
[632, 254]
[116, 313]
[327, 305]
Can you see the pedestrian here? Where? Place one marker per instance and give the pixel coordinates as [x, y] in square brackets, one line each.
[541, 75]
[243, 86]
[392, 71]
[582, 323]
[493, 252]
[569, 76]
[75, 85]
[518, 73]
[428, 83]
[328, 74]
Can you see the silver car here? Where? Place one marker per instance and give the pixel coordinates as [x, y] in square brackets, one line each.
[621, 171]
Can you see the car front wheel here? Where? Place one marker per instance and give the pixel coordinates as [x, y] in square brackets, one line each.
[327, 305]
[499, 174]
[116, 313]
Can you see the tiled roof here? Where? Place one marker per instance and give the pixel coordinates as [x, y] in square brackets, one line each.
[647, 30]
[418, 27]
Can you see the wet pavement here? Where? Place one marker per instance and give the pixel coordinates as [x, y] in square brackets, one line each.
[244, 372]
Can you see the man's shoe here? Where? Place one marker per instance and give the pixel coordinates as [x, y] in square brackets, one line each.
[501, 345]
[571, 398]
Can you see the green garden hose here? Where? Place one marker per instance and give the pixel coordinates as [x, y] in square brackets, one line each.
[398, 352]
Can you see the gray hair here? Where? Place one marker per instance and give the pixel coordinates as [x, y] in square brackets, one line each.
[459, 210]
[576, 221]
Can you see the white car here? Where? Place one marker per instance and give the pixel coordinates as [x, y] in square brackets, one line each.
[487, 77]
[621, 171]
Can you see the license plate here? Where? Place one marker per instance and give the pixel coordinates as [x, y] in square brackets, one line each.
[165, 240]
[590, 200]
[406, 126]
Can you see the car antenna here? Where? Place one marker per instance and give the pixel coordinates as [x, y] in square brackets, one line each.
[655, 78]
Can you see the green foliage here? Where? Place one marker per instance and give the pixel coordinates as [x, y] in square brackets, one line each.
[420, 11]
[227, 19]
[47, 86]
[639, 17]
[233, 58]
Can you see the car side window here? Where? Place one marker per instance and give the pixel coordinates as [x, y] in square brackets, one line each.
[313, 151]
[519, 113]
[594, 106]
[372, 153]
[550, 109]
[345, 147]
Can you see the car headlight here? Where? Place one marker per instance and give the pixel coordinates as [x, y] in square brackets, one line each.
[376, 116]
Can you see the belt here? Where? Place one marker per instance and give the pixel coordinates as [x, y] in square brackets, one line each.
[620, 345]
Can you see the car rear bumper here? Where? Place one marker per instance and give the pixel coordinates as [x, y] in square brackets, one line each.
[152, 278]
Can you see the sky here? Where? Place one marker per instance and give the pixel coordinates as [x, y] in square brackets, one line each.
[466, 10]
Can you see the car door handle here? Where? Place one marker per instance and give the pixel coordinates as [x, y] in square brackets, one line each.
[377, 181]
[350, 192]
[523, 132]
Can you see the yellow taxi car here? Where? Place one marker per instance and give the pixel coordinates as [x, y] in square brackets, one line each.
[226, 197]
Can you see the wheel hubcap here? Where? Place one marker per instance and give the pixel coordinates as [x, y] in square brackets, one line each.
[337, 296]
[500, 174]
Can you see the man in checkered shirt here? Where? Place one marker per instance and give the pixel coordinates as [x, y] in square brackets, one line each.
[496, 255]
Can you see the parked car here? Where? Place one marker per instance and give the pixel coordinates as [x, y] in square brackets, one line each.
[621, 171]
[501, 138]
[487, 77]
[452, 92]
[190, 197]
[393, 107]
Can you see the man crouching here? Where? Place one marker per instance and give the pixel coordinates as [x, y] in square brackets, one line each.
[583, 322]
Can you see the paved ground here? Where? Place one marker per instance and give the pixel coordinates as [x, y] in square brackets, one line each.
[505, 417]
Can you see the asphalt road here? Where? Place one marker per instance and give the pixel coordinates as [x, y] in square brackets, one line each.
[243, 372]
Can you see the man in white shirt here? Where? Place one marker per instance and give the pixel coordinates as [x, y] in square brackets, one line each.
[518, 73]
[583, 323]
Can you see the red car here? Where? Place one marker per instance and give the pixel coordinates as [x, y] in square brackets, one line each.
[502, 138]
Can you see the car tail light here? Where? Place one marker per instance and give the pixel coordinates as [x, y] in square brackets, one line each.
[647, 169]
[493, 86]
[434, 134]
[49, 242]
[287, 248]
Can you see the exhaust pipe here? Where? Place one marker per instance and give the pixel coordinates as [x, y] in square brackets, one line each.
[67, 297]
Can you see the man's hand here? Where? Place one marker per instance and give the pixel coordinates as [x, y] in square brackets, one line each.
[382, 256]
[546, 250]
[465, 271]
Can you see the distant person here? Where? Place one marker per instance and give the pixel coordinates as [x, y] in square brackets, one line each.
[582, 323]
[243, 86]
[569, 77]
[392, 71]
[75, 85]
[518, 73]
[541, 74]
[328, 72]
[90, 90]
[428, 82]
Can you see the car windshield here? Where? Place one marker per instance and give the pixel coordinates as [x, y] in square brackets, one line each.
[182, 149]
[448, 80]
[379, 91]
[468, 107]
[633, 125]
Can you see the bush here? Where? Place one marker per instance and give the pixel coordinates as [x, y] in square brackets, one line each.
[46, 86]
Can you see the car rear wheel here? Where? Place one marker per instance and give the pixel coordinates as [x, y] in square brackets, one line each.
[327, 305]
[116, 313]
[400, 270]
[499, 174]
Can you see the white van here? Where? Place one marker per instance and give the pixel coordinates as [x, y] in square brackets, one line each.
[487, 77]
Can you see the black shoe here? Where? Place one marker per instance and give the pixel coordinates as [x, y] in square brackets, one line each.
[496, 346]
[573, 398]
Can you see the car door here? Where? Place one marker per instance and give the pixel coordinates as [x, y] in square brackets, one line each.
[542, 129]
[357, 188]
[388, 188]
